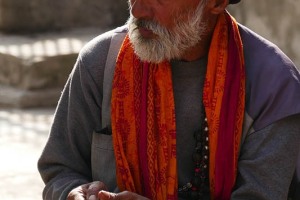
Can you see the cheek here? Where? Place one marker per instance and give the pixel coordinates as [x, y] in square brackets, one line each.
[165, 17]
[169, 15]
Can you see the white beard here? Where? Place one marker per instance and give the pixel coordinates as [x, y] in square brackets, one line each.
[169, 44]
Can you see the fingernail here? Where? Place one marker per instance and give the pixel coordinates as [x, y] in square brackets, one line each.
[92, 197]
[104, 195]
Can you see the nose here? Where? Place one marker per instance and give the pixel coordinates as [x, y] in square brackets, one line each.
[141, 9]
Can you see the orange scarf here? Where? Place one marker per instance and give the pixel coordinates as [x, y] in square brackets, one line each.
[143, 118]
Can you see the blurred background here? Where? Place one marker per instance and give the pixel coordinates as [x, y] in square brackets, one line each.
[39, 43]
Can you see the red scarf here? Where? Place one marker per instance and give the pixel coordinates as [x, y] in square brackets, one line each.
[143, 117]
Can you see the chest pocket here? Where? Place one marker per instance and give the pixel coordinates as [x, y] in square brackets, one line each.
[103, 161]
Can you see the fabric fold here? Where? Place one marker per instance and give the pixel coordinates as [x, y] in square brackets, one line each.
[143, 117]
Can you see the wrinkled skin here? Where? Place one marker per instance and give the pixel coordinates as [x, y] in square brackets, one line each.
[87, 191]
[98, 191]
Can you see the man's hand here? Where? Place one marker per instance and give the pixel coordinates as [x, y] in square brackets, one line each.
[87, 191]
[103, 195]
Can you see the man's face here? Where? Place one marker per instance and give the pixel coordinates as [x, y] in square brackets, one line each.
[165, 29]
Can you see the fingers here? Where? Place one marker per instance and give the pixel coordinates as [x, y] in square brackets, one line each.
[93, 189]
[87, 191]
[76, 194]
[125, 195]
[104, 195]
[92, 197]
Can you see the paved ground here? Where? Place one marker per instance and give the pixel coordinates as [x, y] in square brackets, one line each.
[23, 134]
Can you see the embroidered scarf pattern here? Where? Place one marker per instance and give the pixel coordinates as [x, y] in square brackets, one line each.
[143, 117]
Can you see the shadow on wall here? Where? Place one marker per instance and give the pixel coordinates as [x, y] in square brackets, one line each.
[43, 61]
[44, 15]
[34, 69]
[27, 49]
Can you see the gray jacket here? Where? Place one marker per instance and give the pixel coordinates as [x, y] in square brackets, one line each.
[78, 151]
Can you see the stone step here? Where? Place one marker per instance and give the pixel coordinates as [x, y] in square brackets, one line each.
[34, 69]
[22, 98]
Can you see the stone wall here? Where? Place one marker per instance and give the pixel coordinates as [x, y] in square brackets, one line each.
[44, 15]
[276, 20]
[34, 66]
[34, 69]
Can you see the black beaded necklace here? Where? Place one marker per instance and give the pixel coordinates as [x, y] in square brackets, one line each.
[199, 184]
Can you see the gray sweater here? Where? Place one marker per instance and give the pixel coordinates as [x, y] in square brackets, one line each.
[76, 153]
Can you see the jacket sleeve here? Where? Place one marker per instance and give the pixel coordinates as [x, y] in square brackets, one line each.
[267, 161]
[65, 161]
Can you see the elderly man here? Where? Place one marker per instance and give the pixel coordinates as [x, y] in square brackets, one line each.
[180, 103]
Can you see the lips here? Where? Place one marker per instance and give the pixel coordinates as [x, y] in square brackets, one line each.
[147, 33]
